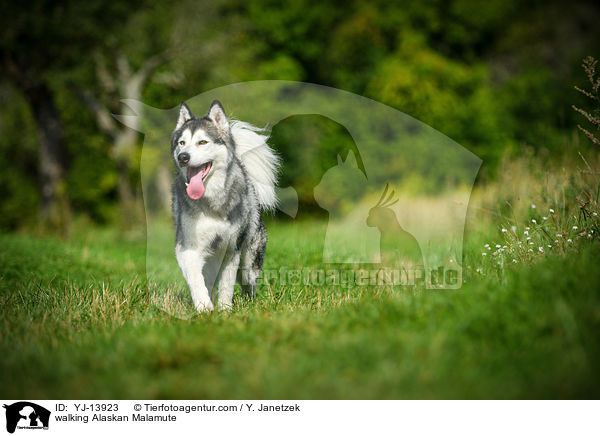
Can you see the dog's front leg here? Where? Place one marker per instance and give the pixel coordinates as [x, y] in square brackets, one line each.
[227, 278]
[191, 263]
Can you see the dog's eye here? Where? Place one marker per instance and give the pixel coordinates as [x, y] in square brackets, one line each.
[202, 142]
[181, 142]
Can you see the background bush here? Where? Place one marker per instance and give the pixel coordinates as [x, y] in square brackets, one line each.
[495, 76]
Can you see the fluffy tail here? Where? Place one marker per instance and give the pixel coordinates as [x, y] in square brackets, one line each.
[259, 160]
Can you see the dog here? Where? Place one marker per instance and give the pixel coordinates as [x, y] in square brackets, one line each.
[226, 177]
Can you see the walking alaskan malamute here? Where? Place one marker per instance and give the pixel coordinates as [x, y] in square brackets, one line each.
[226, 176]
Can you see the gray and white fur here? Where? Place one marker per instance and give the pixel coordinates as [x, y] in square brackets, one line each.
[220, 236]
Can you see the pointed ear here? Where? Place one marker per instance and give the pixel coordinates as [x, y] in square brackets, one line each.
[185, 114]
[217, 114]
[351, 160]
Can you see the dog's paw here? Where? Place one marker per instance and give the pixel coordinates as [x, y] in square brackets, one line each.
[223, 306]
[204, 307]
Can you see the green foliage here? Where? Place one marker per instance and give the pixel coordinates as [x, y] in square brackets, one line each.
[318, 141]
[443, 93]
[18, 162]
[493, 76]
[61, 34]
[92, 176]
[538, 108]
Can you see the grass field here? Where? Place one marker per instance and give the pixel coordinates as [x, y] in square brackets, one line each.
[80, 320]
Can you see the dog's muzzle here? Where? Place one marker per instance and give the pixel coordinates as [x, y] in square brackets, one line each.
[183, 158]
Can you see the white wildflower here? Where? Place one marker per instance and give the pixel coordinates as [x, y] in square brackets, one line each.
[551, 210]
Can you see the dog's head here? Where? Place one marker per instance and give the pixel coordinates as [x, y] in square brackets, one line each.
[201, 148]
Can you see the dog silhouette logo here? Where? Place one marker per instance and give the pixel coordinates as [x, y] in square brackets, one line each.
[26, 415]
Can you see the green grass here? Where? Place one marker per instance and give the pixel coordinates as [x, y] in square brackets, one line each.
[80, 320]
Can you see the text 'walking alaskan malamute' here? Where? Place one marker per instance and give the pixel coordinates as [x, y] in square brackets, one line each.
[225, 179]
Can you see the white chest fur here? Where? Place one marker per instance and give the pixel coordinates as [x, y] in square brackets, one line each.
[201, 231]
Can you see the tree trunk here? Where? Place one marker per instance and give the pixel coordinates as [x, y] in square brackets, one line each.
[163, 187]
[125, 140]
[127, 198]
[55, 211]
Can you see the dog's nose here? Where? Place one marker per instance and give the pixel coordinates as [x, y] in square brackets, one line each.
[183, 158]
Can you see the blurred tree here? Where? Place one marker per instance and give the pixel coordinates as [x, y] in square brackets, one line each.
[18, 164]
[492, 75]
[125, 84]
[443, 93]
[533, 63]
[38, 39]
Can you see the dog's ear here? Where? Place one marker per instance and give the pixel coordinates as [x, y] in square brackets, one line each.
[185, 114]
[217, 114]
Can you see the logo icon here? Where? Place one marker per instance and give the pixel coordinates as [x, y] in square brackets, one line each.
[26, 415]
[359, 224]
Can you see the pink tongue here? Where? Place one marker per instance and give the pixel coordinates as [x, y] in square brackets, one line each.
[195, 189]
